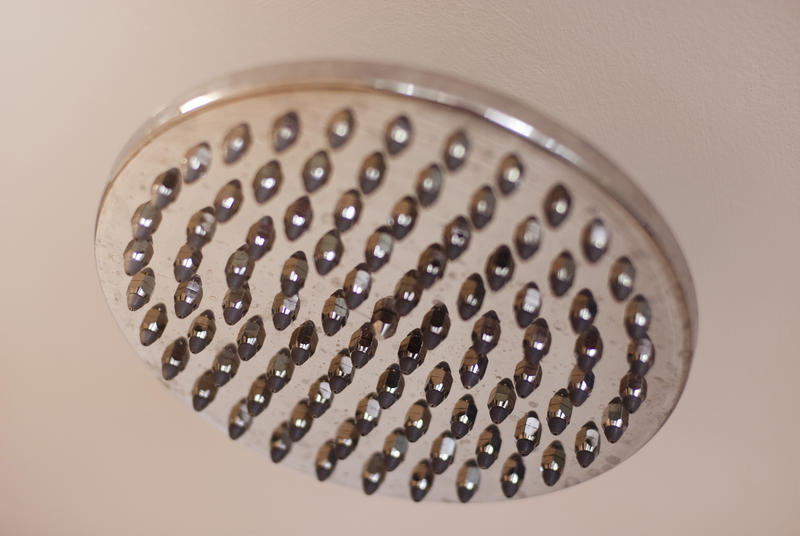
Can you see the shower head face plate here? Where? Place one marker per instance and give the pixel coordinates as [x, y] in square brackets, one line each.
[521, 268]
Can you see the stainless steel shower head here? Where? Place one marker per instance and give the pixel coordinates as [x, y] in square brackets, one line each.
[396, 281]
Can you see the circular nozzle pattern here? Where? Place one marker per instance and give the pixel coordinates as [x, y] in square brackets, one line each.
[261, 249]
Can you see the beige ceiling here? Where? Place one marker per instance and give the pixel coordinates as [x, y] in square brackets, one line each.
[698, 101]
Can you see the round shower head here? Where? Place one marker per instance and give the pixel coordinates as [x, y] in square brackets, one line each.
[396, 281]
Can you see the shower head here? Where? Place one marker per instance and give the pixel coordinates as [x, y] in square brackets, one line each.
[396, 281]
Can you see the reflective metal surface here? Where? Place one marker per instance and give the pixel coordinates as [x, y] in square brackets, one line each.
[513, 201]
